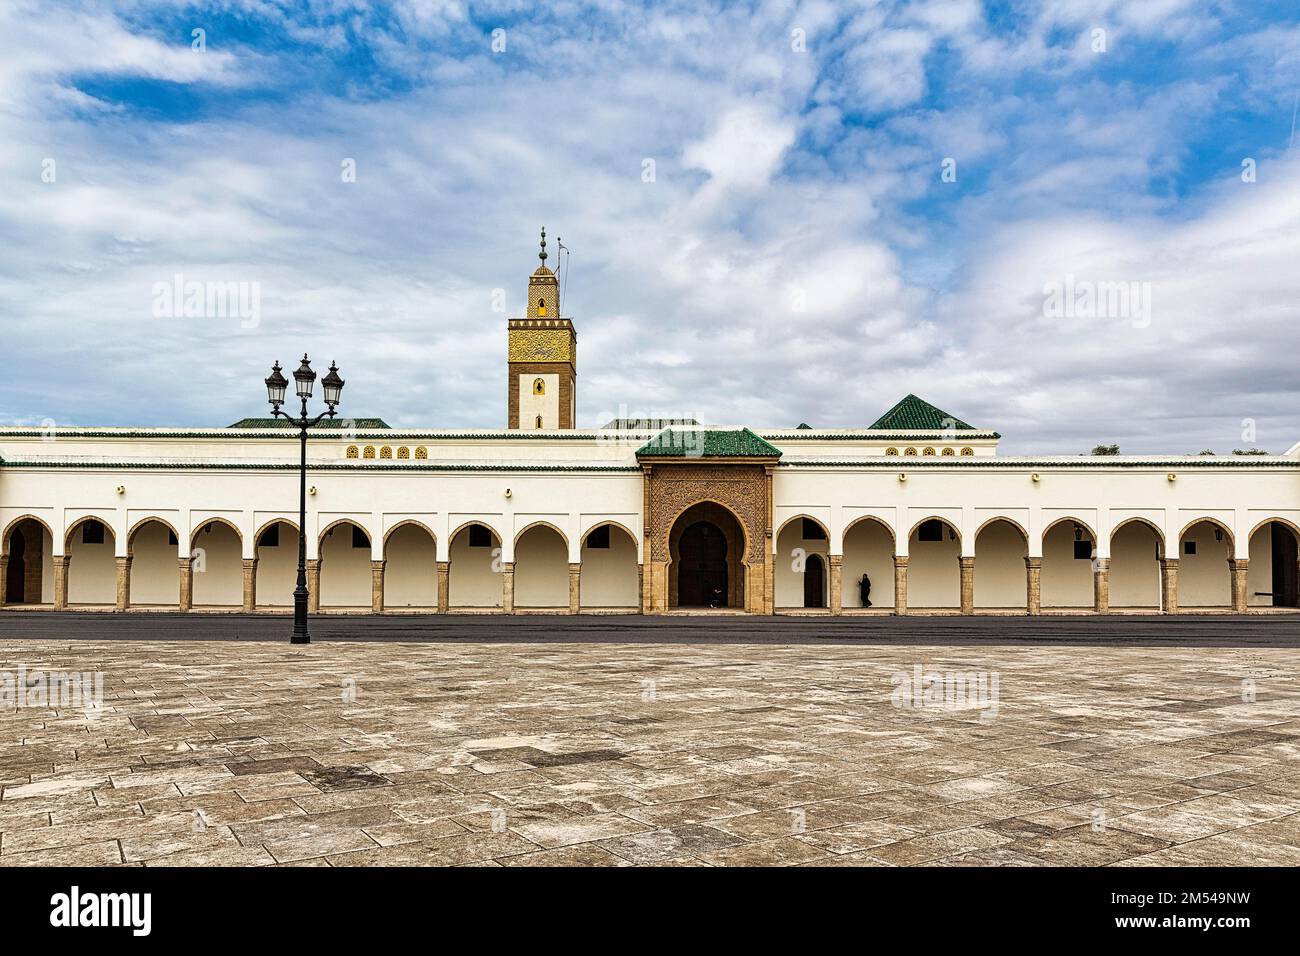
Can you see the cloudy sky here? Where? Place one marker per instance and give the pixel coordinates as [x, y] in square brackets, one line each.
[777, 212]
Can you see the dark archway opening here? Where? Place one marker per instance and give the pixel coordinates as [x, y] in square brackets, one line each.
[28, 550]
[1284, 566]
[706, 568]
[702, 579]
[15, 576]
[814, 582]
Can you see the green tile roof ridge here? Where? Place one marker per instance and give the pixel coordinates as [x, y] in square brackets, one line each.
[915, 413]
[708, 443]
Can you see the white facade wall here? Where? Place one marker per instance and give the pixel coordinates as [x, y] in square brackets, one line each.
[578, 480]
[1204, 578]
[1000, 579]
[1066, 580]
[609, 576]
[869, 550]
[934, 572]
[218, 566]
[789, 580]
[155, 570]
[541, 568]
[344, 569]
[93, 579]
[475, 572]
[277, 567]
[411, 568]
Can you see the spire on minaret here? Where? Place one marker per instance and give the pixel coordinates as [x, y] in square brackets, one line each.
[543, 255]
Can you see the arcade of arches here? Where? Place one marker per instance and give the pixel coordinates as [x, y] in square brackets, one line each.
[708, 533]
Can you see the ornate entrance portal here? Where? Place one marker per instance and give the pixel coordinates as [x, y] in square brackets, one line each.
[708, 520]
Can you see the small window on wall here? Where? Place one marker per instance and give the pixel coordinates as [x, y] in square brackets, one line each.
[404, 453]
[1189, 547]
[909, 450]
[353, 451]
[891, 450]
[92, 532]
[1083, 550]
[812, 531]
[931, 530]
[537, 422]
[539, 387]
[541, 306]
[480, 536]
[599, 537]
[270, 537]
[421, 453]
[948, 453]
[359, 538]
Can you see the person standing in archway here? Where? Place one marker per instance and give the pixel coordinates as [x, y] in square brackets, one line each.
[864, 588]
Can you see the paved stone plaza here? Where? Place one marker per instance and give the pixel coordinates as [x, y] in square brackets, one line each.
[499, 753]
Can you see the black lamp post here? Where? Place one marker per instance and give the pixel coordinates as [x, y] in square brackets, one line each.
[304, 378]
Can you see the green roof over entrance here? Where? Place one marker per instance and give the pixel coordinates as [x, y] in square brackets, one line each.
[917, 414]
[707, 443]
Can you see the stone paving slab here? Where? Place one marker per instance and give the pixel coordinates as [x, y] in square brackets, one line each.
[233, 753]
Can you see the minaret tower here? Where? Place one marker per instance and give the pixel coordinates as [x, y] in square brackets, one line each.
[543, 360]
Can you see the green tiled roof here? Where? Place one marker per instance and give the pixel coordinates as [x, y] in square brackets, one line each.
[708, 443]
[916, 413]
[341, 422]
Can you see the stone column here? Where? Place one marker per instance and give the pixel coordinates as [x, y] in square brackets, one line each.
[508, 587]
[768, 578]
[61, 562]
[186, 599]
[4, 578]
[1034, 585]
[757, 582]
[967, 584]
[900, 584]
[1101, 585]
[657, 587]
[1239, 593]
[123, 583]
[444, 585]
[640, 588]
[377, 587]
[250, 584]
[1169, 585]
[769, 544]
[313, 585]
[34, 560]
[837, 579]
[575, 588]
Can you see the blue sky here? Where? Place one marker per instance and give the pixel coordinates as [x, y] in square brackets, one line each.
[797, 255]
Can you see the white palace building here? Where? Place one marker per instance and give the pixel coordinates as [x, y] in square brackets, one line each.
[641, 516]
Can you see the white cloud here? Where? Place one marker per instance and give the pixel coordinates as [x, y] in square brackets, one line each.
[791, 261]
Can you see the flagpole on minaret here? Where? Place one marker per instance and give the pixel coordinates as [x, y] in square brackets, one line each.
[561, 260]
